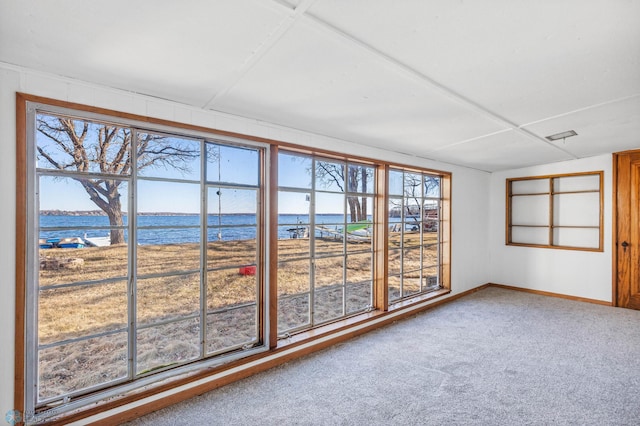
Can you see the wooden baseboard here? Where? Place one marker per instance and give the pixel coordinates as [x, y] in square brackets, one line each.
[551, 294]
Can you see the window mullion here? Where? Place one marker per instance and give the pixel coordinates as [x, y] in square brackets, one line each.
[132, 258]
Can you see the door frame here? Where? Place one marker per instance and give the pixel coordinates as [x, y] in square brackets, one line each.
[616, 267]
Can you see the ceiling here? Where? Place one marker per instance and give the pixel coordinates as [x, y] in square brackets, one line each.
[473, 83]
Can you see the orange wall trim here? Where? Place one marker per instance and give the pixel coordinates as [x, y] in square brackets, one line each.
[550, 294]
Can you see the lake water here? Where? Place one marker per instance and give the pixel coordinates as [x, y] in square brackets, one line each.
[175, 229]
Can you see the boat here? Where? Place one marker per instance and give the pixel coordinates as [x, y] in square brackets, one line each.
[98, 241]
[45, 244]
[74, 242]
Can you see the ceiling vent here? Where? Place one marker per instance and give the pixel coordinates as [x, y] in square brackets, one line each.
[562, 135]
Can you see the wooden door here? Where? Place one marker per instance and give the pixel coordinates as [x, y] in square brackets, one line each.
[627, 214]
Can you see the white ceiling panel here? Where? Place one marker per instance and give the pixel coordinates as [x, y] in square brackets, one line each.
[471, 83]
[500, 151]
[314, 80]
[524, 60]
[184, 51]
[608, 128]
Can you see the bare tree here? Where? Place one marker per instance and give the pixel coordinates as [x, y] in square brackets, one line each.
[105, 150]
[357, 180]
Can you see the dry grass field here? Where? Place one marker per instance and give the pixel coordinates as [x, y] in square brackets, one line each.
[100, 305]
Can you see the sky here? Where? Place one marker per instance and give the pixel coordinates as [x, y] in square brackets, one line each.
[238, 166]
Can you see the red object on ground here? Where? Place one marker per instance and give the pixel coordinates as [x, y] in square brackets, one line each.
[247, 270]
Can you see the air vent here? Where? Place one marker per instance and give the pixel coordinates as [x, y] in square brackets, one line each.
[562, 135]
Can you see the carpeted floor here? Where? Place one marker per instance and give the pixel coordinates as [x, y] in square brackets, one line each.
[496, 357]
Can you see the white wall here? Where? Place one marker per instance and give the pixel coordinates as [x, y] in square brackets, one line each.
[569, 272]
[470, 260]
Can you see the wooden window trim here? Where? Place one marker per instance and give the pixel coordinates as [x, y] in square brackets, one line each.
[305, 342]
[550, 221]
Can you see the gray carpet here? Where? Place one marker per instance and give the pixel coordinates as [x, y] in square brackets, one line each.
[496, 357]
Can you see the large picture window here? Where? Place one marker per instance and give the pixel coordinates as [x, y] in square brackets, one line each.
[325, 249]
[148, 253]
[414, 238]
[156, 253]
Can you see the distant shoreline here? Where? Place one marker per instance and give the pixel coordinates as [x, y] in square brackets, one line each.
[101, 213]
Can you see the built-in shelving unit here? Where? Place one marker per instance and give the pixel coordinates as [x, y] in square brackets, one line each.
[556, 211]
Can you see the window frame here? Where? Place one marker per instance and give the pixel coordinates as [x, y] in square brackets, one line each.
[550, 193]
[134, 379]
[217, 371]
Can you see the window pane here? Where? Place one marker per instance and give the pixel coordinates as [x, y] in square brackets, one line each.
[233, 253]
[411, 260]
[411, 283]
[231, 328]
[62, 317]
[412, 234]
[328, 271]
[294, 171]
[82, 146]
[166, 298]
[166, 345]
[329, 292]
[395, 261]
[359, 296]
[72, 265]
[431, 186]
[293, 311]
[358, 284]
[395, 283]
[293, 277]
[242, 204]
[293, 294]
[166, 258]
[170, 157]
[396, 182]
[81, 365]
[231, 288]
[360, 179]
[413, 187]
[330, 176]
[65, 202]
[293, 247]
[431, 217]
[328, 303]
[167, 199]
[329, 208]
[430, 251]
[232, 164]
[293, 207]
[430, 277]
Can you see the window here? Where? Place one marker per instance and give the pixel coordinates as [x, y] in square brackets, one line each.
[414, 238]
[325, 232]
[148, 254]
[559, 211]
[146, 245]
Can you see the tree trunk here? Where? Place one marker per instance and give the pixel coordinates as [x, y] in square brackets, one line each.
[115, 219]
[114, 212]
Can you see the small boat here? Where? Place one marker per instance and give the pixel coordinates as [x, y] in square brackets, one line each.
[74, 242]
[45, 244]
